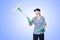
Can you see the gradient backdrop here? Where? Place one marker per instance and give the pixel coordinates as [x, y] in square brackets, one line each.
[14, 26]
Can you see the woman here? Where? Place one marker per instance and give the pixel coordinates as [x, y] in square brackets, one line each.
[39, 25]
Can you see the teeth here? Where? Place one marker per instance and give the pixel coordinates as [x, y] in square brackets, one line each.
[16, 7]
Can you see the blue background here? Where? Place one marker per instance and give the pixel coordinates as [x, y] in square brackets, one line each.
[14, 26]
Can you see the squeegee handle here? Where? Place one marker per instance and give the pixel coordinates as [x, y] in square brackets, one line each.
[28, 19]
[24, 15]
[19, 9]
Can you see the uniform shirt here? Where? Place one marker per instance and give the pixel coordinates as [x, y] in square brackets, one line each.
[38, 24]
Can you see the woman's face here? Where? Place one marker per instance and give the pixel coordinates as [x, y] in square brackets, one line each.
[37, 12]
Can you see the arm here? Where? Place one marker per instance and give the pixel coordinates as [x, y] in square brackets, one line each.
[44, 23]
[44, 26]
[31, 23]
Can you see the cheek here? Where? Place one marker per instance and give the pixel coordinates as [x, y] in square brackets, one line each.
[36, 13]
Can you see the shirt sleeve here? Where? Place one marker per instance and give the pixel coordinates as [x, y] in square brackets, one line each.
[44, 22]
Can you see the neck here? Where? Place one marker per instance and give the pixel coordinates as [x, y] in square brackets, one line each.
[38, 16]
